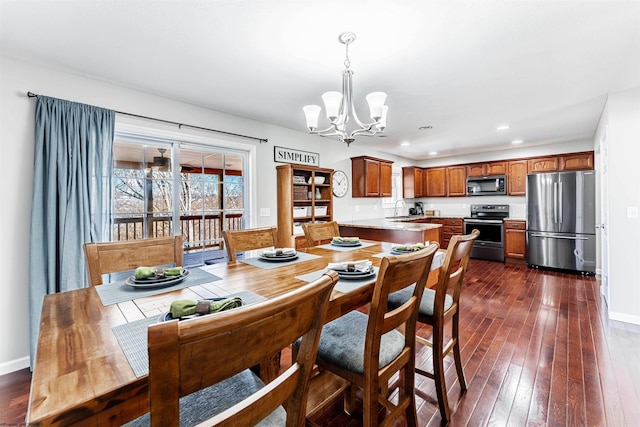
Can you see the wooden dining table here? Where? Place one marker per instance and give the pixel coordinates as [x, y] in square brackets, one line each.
[81, 374]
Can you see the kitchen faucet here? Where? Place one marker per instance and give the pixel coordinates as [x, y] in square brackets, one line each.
[395, 208]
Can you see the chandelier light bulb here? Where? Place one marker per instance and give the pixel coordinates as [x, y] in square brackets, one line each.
[332, 101]
[312, 112]
[376, 104]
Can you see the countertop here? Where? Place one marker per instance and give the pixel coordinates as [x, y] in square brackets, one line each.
[390, 224]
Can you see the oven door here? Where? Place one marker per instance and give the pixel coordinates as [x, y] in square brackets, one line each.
[489, 244]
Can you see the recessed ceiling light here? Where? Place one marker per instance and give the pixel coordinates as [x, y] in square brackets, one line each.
[425, 127]
[517, 141]
[503, 127]
[433, 153]
[405, 144]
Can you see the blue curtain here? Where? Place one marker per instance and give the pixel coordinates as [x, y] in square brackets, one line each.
[71, 196]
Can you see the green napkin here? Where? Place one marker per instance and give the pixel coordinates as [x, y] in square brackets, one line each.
[185, 307]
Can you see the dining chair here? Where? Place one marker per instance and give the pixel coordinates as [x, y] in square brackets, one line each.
[112, 257]
[367, 350]
[320, 232]
[437, 307]
[199, 369]
[246, 240]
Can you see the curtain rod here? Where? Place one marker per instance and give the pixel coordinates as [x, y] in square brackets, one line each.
[180, 125]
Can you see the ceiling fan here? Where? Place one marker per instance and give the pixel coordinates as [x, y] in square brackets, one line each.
[161, 160]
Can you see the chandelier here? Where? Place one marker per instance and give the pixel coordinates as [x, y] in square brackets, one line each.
[339, 107]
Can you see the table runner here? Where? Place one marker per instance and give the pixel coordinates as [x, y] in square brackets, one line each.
[113, 293]
[345, 248]
[342, 285]
[132, 336]
[267, 265]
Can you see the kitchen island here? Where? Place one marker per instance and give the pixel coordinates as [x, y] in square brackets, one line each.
[394, 230]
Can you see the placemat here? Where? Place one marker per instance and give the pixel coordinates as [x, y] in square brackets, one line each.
[438, 258]
[267, 265]
[113, 293]
[132, 337]
[342, 285]
[345, 248]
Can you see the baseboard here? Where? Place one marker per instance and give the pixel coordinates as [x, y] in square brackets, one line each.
[14, 365]
[627, 318]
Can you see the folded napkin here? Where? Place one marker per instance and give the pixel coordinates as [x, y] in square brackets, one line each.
[339, 239]
[409, 247]
[278, 251]
[144, 272]
[185, 307]
[363, 265]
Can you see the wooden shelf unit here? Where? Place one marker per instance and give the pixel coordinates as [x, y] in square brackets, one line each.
[294, 205]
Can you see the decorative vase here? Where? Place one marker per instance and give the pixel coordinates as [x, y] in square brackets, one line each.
[318, 195]
[309, 195]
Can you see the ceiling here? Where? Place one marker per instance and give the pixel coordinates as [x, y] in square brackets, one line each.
[462, 67]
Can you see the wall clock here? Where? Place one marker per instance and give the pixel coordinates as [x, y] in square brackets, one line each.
[340, 183]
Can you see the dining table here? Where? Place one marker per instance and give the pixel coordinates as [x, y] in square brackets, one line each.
[84, 373]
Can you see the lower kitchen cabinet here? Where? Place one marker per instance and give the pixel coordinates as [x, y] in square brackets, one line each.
[515, 241]
[450, 227]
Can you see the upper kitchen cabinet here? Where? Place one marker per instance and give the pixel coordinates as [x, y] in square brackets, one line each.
[563, 162]
[486, 169]
[435, 182]
[517, 177]
[412, 182]
[457, 181]
[544, 164]
[371, 177]
[577, 161]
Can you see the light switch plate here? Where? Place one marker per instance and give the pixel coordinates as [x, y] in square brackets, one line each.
[265, 211]
[632, 212]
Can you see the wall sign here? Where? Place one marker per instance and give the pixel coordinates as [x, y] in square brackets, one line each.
[288, 155]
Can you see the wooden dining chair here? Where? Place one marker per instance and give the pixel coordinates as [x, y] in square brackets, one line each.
[112, 257]
[320, 232]
[437, 307]
[246, 240]
[199, 368]
[367, 350]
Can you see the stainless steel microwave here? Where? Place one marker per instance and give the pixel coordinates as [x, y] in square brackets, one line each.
[495, 185]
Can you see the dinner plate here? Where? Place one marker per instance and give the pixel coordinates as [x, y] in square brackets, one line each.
[165, 317]
[157, 282]
[279, 258]
[400, 252]
[346, 244]
[356, 275]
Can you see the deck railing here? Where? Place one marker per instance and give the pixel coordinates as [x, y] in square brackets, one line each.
[198, 231]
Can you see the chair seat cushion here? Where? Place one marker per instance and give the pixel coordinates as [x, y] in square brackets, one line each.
[396, 299]
[342, 343]
[204, 404]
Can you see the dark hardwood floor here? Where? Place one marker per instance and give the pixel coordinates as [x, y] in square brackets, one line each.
[537, 349]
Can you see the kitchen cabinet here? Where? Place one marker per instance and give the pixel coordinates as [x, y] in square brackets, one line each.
[576, 161]
[456, 181]
[517, 177]
[544, 164]
[486, 169]
[298, 202]
[371, 177]
[412, 182]
[450, 227]
[435, 182]
[514, 241]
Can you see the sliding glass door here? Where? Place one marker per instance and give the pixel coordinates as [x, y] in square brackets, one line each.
[164, 187]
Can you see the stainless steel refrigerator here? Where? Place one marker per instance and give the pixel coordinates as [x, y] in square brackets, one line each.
[561, 216]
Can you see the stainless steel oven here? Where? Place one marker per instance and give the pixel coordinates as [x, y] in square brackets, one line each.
[488, 219]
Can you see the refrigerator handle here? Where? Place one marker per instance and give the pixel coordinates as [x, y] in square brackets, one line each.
[555, 202]
[560, 203]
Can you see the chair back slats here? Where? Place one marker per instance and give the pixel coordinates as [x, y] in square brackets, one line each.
[186, 356]
[112, 257]
[320, 233]
[247, 240]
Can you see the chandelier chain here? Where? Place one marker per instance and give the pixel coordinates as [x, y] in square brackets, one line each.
[347, 63]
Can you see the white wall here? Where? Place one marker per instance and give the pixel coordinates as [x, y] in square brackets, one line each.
[621, 122]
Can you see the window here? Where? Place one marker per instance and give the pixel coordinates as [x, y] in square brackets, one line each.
[163, 187]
